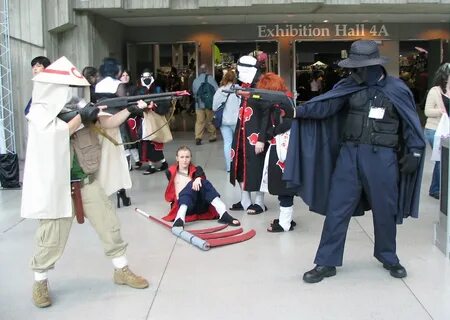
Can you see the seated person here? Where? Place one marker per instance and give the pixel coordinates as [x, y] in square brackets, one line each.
[192, 197]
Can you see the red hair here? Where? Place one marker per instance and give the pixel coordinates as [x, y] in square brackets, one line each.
[271, 81]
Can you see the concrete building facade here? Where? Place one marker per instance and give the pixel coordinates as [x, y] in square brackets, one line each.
[87, 31]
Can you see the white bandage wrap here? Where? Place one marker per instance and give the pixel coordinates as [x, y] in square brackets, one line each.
[181, 213]
[219, 206]
[286, 217]
[40, 276]
[120, 262]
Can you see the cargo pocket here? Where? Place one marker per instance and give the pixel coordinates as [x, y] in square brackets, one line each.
[87, 149]
[385, 134]
[49, 234]
[385, 127]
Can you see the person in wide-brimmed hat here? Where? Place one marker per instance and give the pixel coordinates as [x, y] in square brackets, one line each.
[363, 53]
[63, 159]
[367, 154]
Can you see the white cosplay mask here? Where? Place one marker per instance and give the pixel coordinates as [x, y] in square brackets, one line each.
[247, 69]
[147, 79]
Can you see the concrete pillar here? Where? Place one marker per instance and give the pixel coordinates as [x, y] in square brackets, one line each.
[285, 60]
[156, 57]
[434, 59]
[391, 50]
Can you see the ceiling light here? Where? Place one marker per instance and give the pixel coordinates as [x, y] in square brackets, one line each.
[325, 21]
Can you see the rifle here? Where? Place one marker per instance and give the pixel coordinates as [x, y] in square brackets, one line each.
[114, 105]
[271, 97]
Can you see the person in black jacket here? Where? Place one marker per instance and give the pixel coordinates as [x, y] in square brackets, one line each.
[359, 147]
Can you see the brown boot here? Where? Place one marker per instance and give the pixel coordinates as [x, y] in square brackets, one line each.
[41, 297]
[126, 276]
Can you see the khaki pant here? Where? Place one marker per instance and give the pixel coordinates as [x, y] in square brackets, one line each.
[204, 122]
[52, 234]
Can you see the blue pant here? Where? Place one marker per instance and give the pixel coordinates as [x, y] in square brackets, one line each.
[361, 169]
[197, 201]
[286, 201]
[227, 135]
[435, 180]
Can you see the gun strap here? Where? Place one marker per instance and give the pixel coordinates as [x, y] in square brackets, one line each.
[103, 133]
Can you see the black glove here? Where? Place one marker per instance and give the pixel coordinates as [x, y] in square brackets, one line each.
[134, 109]
[89, 113]
[410, 162]
[288, 110]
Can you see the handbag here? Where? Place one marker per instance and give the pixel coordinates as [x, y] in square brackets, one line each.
[218, 114]
[156, 125]
[442, 131]
[9, 170]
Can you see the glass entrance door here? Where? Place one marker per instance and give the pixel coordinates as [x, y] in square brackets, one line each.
[316, 69]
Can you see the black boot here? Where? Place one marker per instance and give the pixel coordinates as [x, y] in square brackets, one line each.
[396, 270]
[164, 166]
[122, 194]
[151, 170]
[179, 223]
[318, 273]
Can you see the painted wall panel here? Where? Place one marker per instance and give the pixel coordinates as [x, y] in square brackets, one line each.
[59, 15]
[143, 4]
[108, 40]
[21, 55]
[26, 21]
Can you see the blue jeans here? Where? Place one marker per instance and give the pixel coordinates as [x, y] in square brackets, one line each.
[435, 180]
[227, 135]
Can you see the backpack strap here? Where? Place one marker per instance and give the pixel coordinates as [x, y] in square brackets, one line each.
[226, 100]
[204, 81]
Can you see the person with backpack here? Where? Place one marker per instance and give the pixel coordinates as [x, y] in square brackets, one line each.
[230, 104]
[203, 88]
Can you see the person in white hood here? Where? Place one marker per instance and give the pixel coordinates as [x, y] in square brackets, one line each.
[59, 152]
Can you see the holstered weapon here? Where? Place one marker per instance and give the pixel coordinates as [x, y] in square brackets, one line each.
[77, 201]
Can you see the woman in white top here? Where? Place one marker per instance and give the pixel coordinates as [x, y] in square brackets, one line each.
[437, 103]
[316, 84]
[230, 113]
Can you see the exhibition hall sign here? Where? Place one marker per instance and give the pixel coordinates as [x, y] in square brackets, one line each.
[339, 30]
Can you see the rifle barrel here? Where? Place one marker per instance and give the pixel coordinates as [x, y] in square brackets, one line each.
[158, 95]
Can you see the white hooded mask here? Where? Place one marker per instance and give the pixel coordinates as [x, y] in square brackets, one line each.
[46, 179]
[247, 69]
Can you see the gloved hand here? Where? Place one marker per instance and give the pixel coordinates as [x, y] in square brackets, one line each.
[410, 162]
[288, 110]
[134, 109]
[89, 113]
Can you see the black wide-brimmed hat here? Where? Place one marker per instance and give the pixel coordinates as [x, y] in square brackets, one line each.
[363, 53]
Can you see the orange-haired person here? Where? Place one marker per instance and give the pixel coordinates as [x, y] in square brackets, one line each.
[277, 134]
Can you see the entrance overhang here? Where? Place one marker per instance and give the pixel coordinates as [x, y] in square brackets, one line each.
[348, 11]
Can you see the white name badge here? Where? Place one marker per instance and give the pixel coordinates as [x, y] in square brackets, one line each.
[376, 113]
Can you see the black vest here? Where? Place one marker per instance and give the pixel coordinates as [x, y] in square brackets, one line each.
[359, 128]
